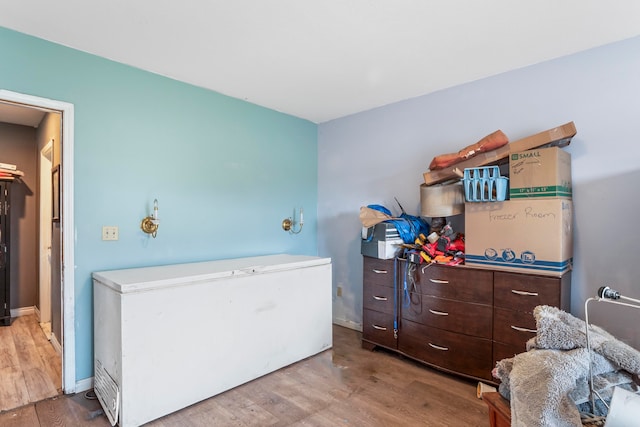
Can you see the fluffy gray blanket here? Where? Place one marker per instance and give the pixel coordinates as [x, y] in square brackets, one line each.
[548, 384]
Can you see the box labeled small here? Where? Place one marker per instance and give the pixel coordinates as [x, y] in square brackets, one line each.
[540, 173]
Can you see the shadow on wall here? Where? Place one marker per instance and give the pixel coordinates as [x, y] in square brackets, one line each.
[347, 269]
[606, 249]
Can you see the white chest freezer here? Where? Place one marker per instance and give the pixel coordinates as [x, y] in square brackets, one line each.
[169, 336]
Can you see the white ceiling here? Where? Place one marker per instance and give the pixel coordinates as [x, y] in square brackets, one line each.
[20, 115]
[325, 59]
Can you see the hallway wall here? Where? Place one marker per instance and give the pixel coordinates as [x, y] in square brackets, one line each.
[49, 129]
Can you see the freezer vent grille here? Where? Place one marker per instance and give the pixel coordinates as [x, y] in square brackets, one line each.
[108, 392]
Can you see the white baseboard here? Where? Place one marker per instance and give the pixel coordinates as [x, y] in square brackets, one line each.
[348, 324]
[22, 311]
[55, 343]
[84, 385]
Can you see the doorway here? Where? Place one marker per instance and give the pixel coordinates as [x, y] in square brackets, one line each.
[66, 226]
[44, 285]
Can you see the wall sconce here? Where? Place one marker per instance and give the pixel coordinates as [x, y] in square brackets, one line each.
[289, 224]
[151, 223]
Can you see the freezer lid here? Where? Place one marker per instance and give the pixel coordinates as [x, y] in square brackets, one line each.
[155, 277]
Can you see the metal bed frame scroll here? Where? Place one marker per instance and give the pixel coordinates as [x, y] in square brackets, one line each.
[608, 295]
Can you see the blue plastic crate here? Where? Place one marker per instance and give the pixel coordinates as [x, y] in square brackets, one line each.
[479, 184]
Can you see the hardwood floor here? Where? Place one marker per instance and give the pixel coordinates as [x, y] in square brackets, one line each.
[346, 385]
[30, 368]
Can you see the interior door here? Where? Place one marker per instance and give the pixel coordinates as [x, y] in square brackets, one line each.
[45, 234]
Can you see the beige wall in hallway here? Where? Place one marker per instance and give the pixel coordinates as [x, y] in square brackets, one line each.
[49, 129]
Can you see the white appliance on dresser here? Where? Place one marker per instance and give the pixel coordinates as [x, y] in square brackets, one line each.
[169, 336]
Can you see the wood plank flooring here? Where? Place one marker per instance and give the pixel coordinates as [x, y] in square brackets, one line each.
[344, 386]
[30, 368]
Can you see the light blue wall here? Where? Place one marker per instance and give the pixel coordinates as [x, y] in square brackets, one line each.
[225, 172]
[375, 155]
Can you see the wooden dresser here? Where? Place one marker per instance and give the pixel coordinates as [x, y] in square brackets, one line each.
[457, 319]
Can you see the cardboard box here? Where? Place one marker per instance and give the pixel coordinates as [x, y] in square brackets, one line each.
[559, 136]
[528, 235]
[380, 241]
[540, 173]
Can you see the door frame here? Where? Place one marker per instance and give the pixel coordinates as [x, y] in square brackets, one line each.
[67, 226]
[44, 282]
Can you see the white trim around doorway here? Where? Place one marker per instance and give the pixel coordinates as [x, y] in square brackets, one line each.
[68, 229]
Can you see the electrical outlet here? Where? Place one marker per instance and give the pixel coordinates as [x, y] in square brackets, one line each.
[109, 232]
[339, 292]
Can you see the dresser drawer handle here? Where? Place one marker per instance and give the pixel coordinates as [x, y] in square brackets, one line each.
[439, 281]
[380, 328]
[377, 298]
[519, 329]
[437, 347]
[529, 294]
[439, 313]
[379, 271]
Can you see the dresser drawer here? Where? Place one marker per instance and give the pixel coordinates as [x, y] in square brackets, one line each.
[377, 328]
[457, 283]
[378, 298]
[524, 292]
[455, 316]
[506, 351]
[448, 350]
[378, 271]
[513, 327]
